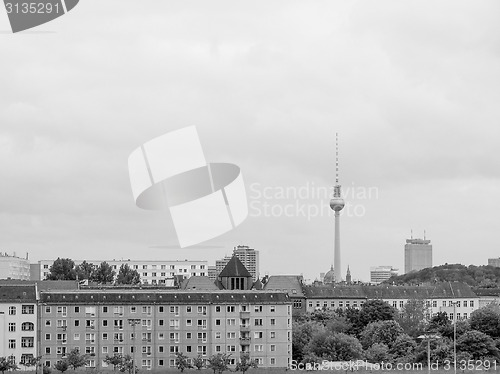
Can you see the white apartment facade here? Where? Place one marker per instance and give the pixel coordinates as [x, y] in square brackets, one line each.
[151, 271]
[13, 267]
[18, 321]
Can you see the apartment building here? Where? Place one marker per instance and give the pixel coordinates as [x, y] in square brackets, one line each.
[152, 272]
[13, 267]
[456, 299]
[18, 320]
[152, 326]
[248, 256]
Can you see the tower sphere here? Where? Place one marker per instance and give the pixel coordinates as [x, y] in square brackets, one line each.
[337, 204]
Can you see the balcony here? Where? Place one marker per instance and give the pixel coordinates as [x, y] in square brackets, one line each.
[244, 313]
[245, 341]
[244, 327]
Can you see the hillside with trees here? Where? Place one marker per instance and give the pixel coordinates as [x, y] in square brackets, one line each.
[475, 276]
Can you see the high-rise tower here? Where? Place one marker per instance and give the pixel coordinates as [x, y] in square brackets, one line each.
[337, 204]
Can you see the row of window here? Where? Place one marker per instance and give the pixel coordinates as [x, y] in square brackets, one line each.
[118, 337]
[26, 342]
[25, 309]
[92, 310]
[25, 326]
[395, 303]
[147, 363]
[136, 267]
[333, 304]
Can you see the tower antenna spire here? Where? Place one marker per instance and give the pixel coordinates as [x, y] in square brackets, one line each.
[337, 158]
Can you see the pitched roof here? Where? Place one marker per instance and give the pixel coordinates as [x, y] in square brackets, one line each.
[285, 283]
[161, 297]
[198, 283]
[235, 268]
[442, 290]
[12, 293]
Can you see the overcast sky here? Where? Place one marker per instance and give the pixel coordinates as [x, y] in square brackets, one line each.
[412, 88]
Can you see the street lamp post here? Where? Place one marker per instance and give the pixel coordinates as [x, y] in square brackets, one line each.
[428, 337]
[133, 322]
[455, 337]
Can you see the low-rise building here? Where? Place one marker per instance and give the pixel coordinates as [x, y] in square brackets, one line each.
[18, 321]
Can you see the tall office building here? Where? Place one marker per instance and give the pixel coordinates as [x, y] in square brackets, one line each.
[248, 256]
[418, 254]
[337, 204]
[378, 274]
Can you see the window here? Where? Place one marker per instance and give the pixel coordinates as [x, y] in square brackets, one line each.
[133, 309]
[444, 302]
[231, 348]
[47, 322]
[273, 335]
[76, 322]
[161, 322]
[146, 309]
[231, 322]
[161, 349]
[27, 342]
[258, 322]
[105, 350]
[77, 337]
[189, 309]
[12, 327]
[90, 350]
[471, 303]
[258, 348]
[12, 310]
[273, 321]
[230, 309]
[188, 335]
[161, 309]
[218, 335]
[47, 350]
[189, 322]
[272, 308]
[77, 309]
[104, 323]
[217, 322]
[231, 335]
[27, 309]
[401, 303]
[258, 308]
[12, 343]
[273, 348]
[27, 326]
[434, 303]
[47, 336]
[272, 361]
[48, 310]
[217, 308]
[258, 335]
[465, 303]
[104, 336]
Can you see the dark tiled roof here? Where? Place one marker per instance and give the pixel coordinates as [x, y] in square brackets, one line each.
[444, 290]
[487, 291]
[12, 293]
[43, 284]
[161, 297]
[235, 268]
[198, 283]
[285, 282]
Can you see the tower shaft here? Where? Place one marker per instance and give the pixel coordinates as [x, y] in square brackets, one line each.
[336, 250]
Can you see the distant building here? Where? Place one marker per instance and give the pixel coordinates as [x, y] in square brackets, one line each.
[153, 272]
[494, 262]
[235, 276]
[418, 255]
[13, 267]
[378, 274]
[248, 256]
[212, 272]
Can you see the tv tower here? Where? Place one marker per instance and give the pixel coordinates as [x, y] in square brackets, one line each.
[337, 204]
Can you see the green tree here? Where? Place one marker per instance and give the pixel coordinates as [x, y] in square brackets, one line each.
[126, 275]
[84, 270]
[477, 344]
[441, 349]
[198, 362]
[115, 360]
[245, 363]
[385, 332]
[103, 274]
[219, 363]
[61, 365]
[336, 347]
[376, 310]
[76, 360]
[128, 365]
[302, 333]
[403, 349]
[181, 361]
[6, 365]
[62, 269]
[486, 320]
[377, 353]
[412, 317]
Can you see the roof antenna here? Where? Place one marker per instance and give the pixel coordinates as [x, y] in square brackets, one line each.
[337, 158]
[424, 234]
[411, 231]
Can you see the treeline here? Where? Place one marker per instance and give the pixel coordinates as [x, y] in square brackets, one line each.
[65, 269]
[484, 276]
[379, 333]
